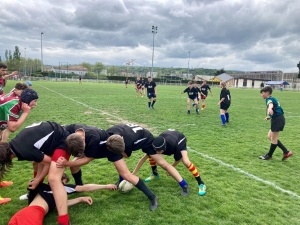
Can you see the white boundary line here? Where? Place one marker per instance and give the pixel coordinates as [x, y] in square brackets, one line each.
[199, 153]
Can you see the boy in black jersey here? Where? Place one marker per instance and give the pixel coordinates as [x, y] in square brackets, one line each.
[204, 90]
[100, 136]
[151, 92]
[224, 103]
[44, 143]
[193, 95]
[171, 142]
[41, 201]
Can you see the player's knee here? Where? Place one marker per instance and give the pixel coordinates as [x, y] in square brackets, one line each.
[163, 165]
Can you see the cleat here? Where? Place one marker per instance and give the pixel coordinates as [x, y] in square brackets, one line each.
[185, 191]
[265, 157]
[4, 200]
[23, 197]
[223, 125]
[197, 111]
[152, 177]
[5, 183]
[188, 112]
[285, 156]
[153, 204]
[202, 189]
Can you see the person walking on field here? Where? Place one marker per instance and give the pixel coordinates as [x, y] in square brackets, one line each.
[275, 114]
[224, 103]
[204, 88]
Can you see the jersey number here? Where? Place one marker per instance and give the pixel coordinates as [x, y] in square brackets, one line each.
[134, 127]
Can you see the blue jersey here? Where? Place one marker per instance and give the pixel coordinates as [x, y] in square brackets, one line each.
[277, 110]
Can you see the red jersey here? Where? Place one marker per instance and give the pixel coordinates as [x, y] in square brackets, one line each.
[2, 85]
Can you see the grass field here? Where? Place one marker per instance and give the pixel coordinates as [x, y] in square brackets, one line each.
[241, 188]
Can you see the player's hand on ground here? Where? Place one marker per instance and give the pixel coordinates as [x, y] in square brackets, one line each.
[267, 118]
[33, 184]
[25, 108]
[111, 187]
[87, 200]
[61, 162]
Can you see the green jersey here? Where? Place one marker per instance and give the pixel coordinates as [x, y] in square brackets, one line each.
[276, 106]
[10, 110]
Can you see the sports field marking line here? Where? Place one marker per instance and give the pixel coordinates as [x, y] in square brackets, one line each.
[199, 153]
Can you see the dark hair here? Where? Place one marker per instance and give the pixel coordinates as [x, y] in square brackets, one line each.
[5, 159]
[65, 176]
[75, 145]
[190, 82]
[2, 65]
[21, 86]
[159, 144]
[115, 143]
[267, 89]
[149, 77]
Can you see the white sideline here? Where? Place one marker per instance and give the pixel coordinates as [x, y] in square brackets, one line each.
[199, 153]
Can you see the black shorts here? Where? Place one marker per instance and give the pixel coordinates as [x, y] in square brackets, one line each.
[277, 123]
[224, 106]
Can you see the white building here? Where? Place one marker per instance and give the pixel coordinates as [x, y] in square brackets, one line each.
[78, 70]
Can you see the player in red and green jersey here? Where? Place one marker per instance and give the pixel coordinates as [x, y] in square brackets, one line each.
[4, 76]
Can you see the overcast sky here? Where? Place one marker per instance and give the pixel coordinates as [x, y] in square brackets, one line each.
[243, 35]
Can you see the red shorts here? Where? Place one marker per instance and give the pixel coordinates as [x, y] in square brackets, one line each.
[58, 153]
[28, 215]
[203, 96]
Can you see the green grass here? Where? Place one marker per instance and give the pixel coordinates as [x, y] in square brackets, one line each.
[232, 197]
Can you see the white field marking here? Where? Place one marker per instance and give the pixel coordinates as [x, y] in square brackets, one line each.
[191, 150]
[253, 107]
[245, 173]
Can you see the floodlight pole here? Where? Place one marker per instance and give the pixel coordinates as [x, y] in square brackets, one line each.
[25, 61]
[154, 31]
[42, 68]
[188, 66]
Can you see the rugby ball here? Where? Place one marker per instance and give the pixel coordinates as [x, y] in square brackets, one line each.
[125, 186]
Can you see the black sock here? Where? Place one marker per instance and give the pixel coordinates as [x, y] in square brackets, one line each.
[154, 170]
[77, 177]
[199, 180]
[272, 149]
[142, 187]
[153, 102]
[149, 103]
[283, 148]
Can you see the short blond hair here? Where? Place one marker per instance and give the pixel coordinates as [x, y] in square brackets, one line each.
[223, 84]
[115, 143]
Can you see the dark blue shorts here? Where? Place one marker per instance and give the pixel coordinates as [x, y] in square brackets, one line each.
[151, 95]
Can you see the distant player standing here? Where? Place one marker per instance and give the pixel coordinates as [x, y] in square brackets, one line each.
[275, 114]
[151, 92]
[204, 90]
[193, 94]
[126, 82]
[4, 76]
[224, 103]
[80, 80]
[138, 86]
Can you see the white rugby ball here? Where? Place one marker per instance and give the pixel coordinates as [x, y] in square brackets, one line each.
[125, 186]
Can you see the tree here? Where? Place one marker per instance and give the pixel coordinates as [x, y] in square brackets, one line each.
[0, 59]
[98, 67]
[218, 72]
[87, 65]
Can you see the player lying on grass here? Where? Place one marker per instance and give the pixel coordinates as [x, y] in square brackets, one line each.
[275, 114]
[170, 142]
[130, 137]
[41, 201]
[43, 143]
[95, 148]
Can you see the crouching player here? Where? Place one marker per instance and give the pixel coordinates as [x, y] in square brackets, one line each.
[170, 142]
[41, 201]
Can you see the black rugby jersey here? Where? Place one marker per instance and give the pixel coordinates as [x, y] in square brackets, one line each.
[204, 89]
[135, 137]
[38, 139]
[225, 93]
[95, 139]
[173, 139]
[192, 92]
[138, 83]
[150, 86]
[46, 193]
